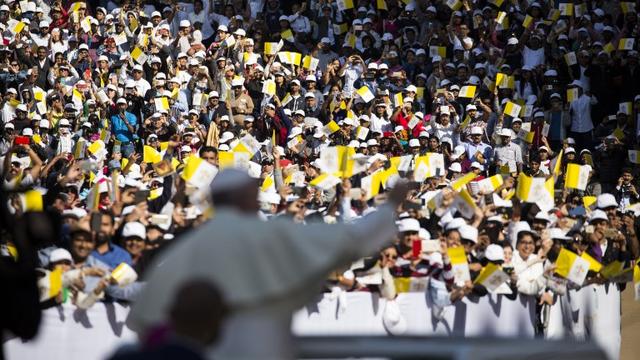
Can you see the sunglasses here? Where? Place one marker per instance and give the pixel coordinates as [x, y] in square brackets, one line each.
[391, 256]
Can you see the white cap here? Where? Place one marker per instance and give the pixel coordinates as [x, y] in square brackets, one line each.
[570, 150]
[27, 131]
[414, 143]
[83, 47]
[226, 136]
[444, 110]
[409, 224]
[557, 233]
[185, 23]
[134, 229]
[295, 131]
[468, 232]
[64, 122]
[60, 255]
[494, 252]
[372, 142]
[477, 165]
[411, 88]
[455, 224]
[598, 215]
[476, 130]
[505, 132]
[458, 151]
[44, 123]
[237, 82]
[606, 200]
[455, 167]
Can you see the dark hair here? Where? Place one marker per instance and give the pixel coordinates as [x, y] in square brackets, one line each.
[205, 149]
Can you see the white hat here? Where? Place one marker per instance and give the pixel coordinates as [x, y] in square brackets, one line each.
[237, 82]
[372, 142]
[476, 130]
[494, 252]
[27, 132]
[22, 107]
[64, 122]
[213, 94]
[471, 107]
[570, 150]
[606, 200]
[299, 112]
[512, 41]
[455, 167]
[186, 148]
[309, 95]
[223, 28]
[372, 66]
[414, 143]
[444, 110]
[577, 83]
[353, 144]
[311, 78]
[134, 229]
[60, 255]
[455, 224]
[226, 136]
[557, 233]
[542, 215]
[598, 215]
[348, 121]
[505, 132]
[411, 88]
[44, 123]
[121, 101]
[295, 131]
[83, 47]
[185, 23]
[269, 197]
[468, 232]
[477, 165]
[409, 224]
[457, 152]
[137, 67]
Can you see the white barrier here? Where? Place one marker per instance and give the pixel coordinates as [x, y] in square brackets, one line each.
[491, 315]
[68, 333]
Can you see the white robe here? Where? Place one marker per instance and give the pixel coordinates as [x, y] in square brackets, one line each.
[265, 270]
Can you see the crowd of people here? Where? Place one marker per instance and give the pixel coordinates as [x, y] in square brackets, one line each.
[517, 122]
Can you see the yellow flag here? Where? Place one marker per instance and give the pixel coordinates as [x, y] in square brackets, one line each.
[150, 155]
[587, 201]
[512, 109]
[458, 184]
[571, 266]
[55, 282]
[577, 177]
[594, 265]
[287, 35]
[572, 94]
[467, 91]
[33, 201]
[381, 5]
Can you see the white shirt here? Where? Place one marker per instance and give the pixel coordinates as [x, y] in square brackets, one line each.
[580, 110]
[380, 124]
[530, 274]
[351, 74]
[532, 57]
